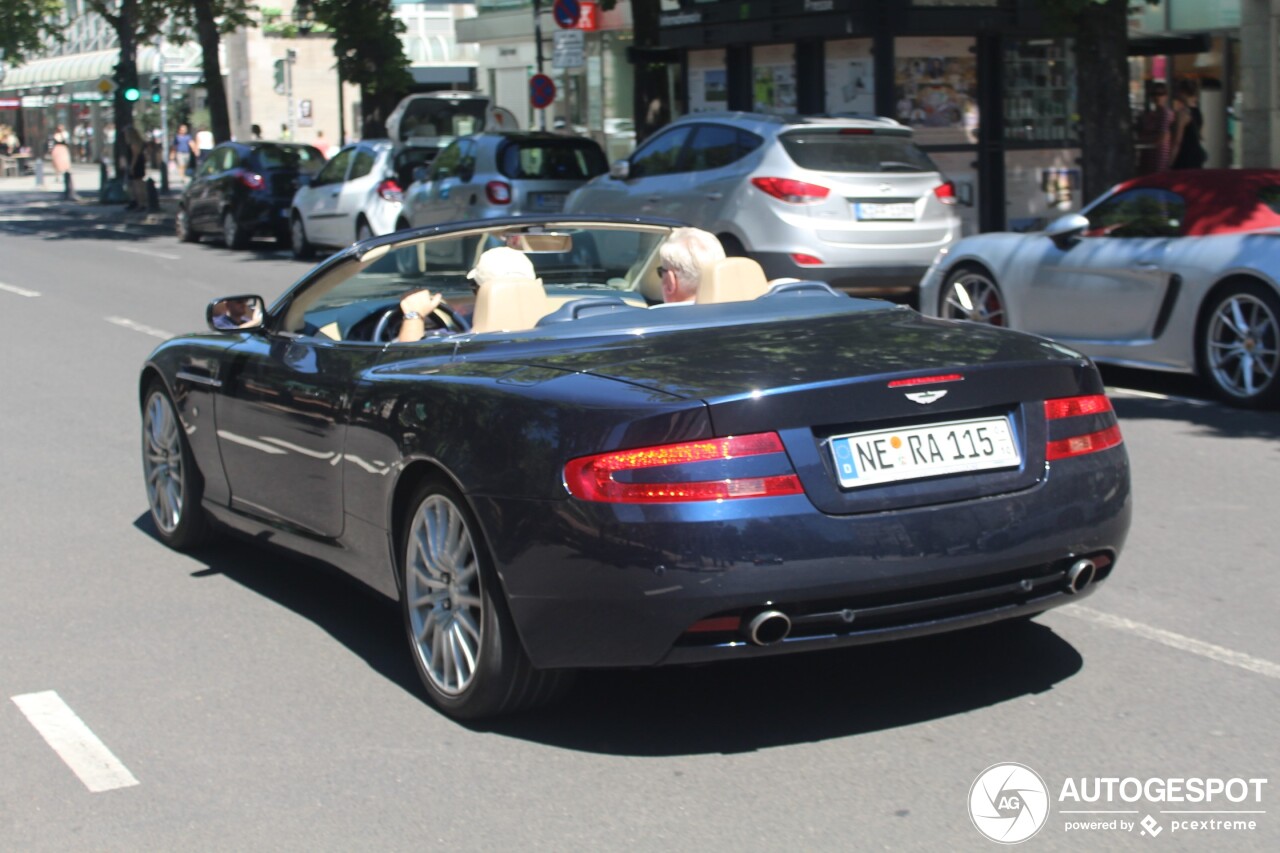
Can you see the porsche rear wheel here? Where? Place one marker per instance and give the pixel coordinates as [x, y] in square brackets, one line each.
[1239, 345]
[971, 294]
[174, 486]
[462, 638]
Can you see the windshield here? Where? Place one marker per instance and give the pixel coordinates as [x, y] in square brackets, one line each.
[551, 159]
[855, 150]
[442, 119]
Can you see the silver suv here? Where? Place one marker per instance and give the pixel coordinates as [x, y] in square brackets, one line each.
[500, 174]
[850, 201]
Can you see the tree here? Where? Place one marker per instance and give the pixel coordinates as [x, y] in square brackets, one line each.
[26, 26]
[370, 54]
[135, 22]
[210, 19]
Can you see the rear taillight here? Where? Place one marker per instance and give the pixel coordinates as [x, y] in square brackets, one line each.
[946, 192]
[1090, 424]
[606, 477]
[498, 192]
[791, 191]
[252, 180]
[803, 260]
[390, 190]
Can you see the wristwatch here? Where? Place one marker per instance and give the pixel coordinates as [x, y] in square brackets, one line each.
[412, 315]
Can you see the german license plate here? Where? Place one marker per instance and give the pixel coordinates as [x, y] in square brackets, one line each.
[885, 210]
[931, 450]
[553, 202]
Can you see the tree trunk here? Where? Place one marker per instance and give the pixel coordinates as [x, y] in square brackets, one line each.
[126, 76]
[207, 32]
[1102, 74]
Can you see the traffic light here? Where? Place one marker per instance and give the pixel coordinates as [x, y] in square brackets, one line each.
[155, 89]
[131, 93]
[280, 76]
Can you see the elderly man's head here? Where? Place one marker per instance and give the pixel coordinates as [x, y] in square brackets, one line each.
[685, 255]
[501, 262]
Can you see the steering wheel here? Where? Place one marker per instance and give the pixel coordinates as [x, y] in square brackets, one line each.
[446, 317]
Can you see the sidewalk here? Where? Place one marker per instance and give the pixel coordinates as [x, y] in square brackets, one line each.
[85, 181]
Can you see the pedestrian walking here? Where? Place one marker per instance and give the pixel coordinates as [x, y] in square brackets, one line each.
[61, 153]
[1188, 147]
[137, 170]
[1156, 131]
[181, 152]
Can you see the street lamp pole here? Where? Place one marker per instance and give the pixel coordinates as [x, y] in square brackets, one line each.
[537, 46]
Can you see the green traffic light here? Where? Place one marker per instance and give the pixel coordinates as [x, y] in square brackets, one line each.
[132, 93]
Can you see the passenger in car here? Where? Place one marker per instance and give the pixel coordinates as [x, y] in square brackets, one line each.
[685, 255]
[499, 262]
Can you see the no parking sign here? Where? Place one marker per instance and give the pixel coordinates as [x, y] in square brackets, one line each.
[542, 91]
[566, 13]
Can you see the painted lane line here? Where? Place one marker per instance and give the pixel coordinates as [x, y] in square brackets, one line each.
[20, 291]
[1153, 395]
[73, 741]
[139, 327]
[148, 253]
[1259, 666]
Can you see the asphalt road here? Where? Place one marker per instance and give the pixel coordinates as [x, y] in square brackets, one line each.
[245, 700]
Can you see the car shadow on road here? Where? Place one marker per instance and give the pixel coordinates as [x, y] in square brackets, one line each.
[1210, 418]
[723, 708]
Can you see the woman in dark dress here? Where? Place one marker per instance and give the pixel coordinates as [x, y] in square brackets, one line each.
[1189, 151]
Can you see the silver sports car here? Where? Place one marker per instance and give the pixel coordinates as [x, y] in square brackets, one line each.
[1178, 271]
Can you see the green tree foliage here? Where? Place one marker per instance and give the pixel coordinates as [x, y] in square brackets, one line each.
[370, 54]
[135, 22]
[210, 19]
[25, 26]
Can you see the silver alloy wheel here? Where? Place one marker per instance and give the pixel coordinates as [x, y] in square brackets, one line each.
[162, 462]
[1242, 345]
[297, 233]
[183, 228]
[973, 296]
[442, 588]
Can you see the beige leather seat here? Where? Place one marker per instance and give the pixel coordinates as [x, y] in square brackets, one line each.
[732, 280]
[510, 305]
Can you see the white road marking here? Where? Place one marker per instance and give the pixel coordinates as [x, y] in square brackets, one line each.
[74, 742]
[1152, 395]
[1260, 666]
[20, 291]
[148, 253]
[139, 327]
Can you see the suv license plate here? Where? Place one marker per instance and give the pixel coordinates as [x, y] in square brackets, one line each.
[889, 455]
[551, 202]
[887, 210]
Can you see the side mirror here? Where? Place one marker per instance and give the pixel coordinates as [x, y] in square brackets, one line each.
[235, 313]
[1067, 229]
[466, 172]
[419, 174]
[620, 170]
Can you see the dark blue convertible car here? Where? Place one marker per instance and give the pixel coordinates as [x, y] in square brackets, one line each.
[559, 477]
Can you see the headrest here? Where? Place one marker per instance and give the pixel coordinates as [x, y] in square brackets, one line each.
[510, 304]
[732, 280]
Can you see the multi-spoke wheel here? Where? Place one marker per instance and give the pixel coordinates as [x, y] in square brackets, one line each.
[182, 226]
[174, 487]
[971, 294]
[463, 641]
[1239, 345]
[234, 236]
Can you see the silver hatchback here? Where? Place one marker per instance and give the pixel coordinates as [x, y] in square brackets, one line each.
[850, 201]
[500, 174]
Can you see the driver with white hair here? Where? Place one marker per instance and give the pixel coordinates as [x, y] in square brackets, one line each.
[499, 262]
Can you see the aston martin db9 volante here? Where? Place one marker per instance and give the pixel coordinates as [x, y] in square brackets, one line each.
[556, 477]
[1175, 271]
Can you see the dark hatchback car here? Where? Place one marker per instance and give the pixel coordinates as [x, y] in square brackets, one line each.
[243, 190]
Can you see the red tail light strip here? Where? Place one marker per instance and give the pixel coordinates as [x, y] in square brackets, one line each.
[926, 380]
[590, 478]
[1078, 445]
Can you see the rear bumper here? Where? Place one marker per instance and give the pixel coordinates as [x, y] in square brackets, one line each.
[869, 281]
[598, 585]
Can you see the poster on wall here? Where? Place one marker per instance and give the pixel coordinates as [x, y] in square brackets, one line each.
[773, 79]
[935, 88]
[708, 81]
[850, 77]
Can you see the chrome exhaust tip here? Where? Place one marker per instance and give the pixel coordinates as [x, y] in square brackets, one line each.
[1080, 575]
[768, 627]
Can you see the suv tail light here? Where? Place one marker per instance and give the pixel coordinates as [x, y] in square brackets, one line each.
[946, 192]
[1082, 425]
[252, 180]
[675, 476]
[790, 190]
[498, 192]
[390, 190]
[804, 260]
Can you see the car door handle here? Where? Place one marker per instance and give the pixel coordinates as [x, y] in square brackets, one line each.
[714, 196]
[1146, 266]
[653, 199]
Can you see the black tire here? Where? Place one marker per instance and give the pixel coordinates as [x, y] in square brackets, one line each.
[733, 247]
[363, 231]
[1238, 345]
[456, 617]
[182, 226]
[970, 293]
[298, 243]
[173, 482]
[233, 235]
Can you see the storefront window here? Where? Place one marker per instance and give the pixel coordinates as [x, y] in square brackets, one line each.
[850, 77]
[1040, 92]
[773, 76]
[935, 83]
[708, 81]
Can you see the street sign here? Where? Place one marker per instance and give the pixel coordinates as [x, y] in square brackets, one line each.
[589, 20]
[570, 49]
[542, 91]
[106, 85]
[566, 13]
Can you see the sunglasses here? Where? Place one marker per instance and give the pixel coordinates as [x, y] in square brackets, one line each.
[662, 271]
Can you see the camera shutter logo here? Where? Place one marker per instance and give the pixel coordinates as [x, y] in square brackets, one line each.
[1008, 803]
